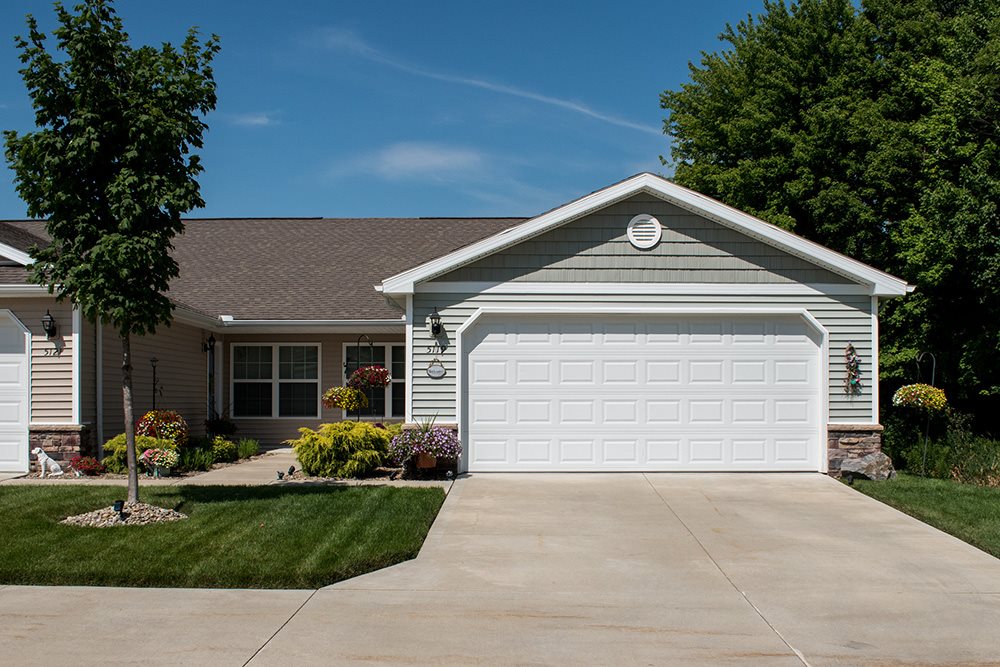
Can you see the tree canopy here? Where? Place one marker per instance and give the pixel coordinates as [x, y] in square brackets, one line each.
[873, 131]
[110, 167]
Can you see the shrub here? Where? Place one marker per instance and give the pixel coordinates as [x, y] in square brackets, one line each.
[196, 458]
[115, 452]
[221, 425]
[247, 447]
[224, 451]
[341, 449]
[87, 465]
[432, 440]
[163, 424]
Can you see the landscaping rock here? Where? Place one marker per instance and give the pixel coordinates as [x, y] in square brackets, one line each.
[875, 466]
[134, 514]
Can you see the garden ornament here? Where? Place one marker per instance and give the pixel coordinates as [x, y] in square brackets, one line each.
[46, 463]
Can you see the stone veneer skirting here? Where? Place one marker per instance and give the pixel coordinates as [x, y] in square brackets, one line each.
[851, 441]
[61, 441]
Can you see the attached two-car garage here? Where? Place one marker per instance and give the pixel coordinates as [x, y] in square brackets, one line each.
[621, 392]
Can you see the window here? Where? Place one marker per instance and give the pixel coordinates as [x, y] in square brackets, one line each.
[271, 380]
[388, 402]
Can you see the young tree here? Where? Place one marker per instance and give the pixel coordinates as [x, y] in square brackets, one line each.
[110, 168]
[875, 131]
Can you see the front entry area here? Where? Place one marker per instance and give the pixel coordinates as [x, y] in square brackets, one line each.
[14, 365]
[638, 392]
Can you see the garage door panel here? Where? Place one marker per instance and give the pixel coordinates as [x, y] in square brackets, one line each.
[644, 393]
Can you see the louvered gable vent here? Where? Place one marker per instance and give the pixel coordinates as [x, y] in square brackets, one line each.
[644, 231]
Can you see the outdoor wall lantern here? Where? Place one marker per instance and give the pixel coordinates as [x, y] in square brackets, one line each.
[210, 343]
[436, 328]
[49, 324]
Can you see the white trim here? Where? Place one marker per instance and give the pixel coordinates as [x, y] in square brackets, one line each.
[407, 372]
[408, 409]
[874, 374]
[644, 309]
[23, 290]
[313, 326]
[883, 284]
[187, 316]
[700, 289]
[77, 362]
[15, 255]
[275, 380]
[99, 380]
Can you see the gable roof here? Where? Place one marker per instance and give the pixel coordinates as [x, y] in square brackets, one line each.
[293, 268]
[880, 283]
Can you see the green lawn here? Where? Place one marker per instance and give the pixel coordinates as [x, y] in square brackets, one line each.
[236, 537]
[970, 513]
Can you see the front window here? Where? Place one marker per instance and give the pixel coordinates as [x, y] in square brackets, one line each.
[388, 402]
[271, 380]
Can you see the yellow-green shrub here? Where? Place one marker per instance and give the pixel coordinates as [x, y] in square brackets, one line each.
[115, 450]
[223, 450]
[341, 449]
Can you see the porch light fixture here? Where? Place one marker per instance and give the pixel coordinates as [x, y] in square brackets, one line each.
[210, 343]
[436, 328]
[49, 324]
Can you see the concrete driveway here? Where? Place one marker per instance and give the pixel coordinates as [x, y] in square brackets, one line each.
[581, 569]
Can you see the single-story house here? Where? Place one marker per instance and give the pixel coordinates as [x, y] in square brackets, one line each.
[641, 327]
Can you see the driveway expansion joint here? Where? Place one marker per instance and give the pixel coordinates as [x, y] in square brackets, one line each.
[280, 628]
[694, 537]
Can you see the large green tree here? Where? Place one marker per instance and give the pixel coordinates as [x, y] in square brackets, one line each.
[874, 131]
[111, 168]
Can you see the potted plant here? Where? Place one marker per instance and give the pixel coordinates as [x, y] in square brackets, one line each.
[159, 461]
[369, 377]
[425, 446]
[348, 398]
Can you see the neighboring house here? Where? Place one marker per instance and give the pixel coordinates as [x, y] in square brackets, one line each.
[642, 327]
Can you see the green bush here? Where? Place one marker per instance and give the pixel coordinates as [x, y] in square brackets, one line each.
[342, 449]
[247, 447]
[224, 451]
[958, 454]
[116, 455]
[195, 458]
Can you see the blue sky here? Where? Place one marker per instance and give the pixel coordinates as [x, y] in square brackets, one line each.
[415, 109]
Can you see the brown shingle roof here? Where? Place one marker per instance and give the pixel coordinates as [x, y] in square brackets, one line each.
[301, 268]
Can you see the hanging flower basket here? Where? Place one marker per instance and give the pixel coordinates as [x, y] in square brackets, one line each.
[923, 396]
[369, 377]
[345, 398]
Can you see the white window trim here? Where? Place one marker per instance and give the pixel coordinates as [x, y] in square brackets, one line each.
[275, 380]
[344, 414]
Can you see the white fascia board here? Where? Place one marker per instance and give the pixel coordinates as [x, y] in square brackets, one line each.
[15, 255]
[229, 323]
[704, 289]
[24, 290]
[882, 283]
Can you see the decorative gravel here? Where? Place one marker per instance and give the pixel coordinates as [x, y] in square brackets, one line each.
[135, 514]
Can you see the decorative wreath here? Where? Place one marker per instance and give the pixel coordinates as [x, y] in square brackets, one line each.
[852, 379]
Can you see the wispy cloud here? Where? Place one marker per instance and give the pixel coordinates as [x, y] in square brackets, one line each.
[417, 161]
[349, 41]
[254, 119]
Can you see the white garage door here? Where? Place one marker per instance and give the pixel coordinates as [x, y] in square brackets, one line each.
[13, 395]
[636, 392]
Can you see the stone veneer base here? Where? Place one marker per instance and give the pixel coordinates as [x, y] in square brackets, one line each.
[851, 441]
[61, 441]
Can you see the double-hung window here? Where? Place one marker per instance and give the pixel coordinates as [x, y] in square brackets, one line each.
[388, 402]
[272, 380]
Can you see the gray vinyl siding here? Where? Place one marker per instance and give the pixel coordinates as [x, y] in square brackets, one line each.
[846, 318]
[595, 249]
[181, 372]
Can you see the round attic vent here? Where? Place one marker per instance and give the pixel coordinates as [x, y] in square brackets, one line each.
[644, 231]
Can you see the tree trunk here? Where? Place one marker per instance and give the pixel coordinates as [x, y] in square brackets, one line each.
[133, 471]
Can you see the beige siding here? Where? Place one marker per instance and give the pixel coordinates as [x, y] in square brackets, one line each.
[88, 372]
[596, 249]
[181, 372]
[51, 360]
[276, 430]
[847, 318]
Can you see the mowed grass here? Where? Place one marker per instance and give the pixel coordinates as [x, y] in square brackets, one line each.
[236, 537]
[970, 513]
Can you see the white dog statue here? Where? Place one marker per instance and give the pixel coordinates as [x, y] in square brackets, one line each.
[46, 463]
